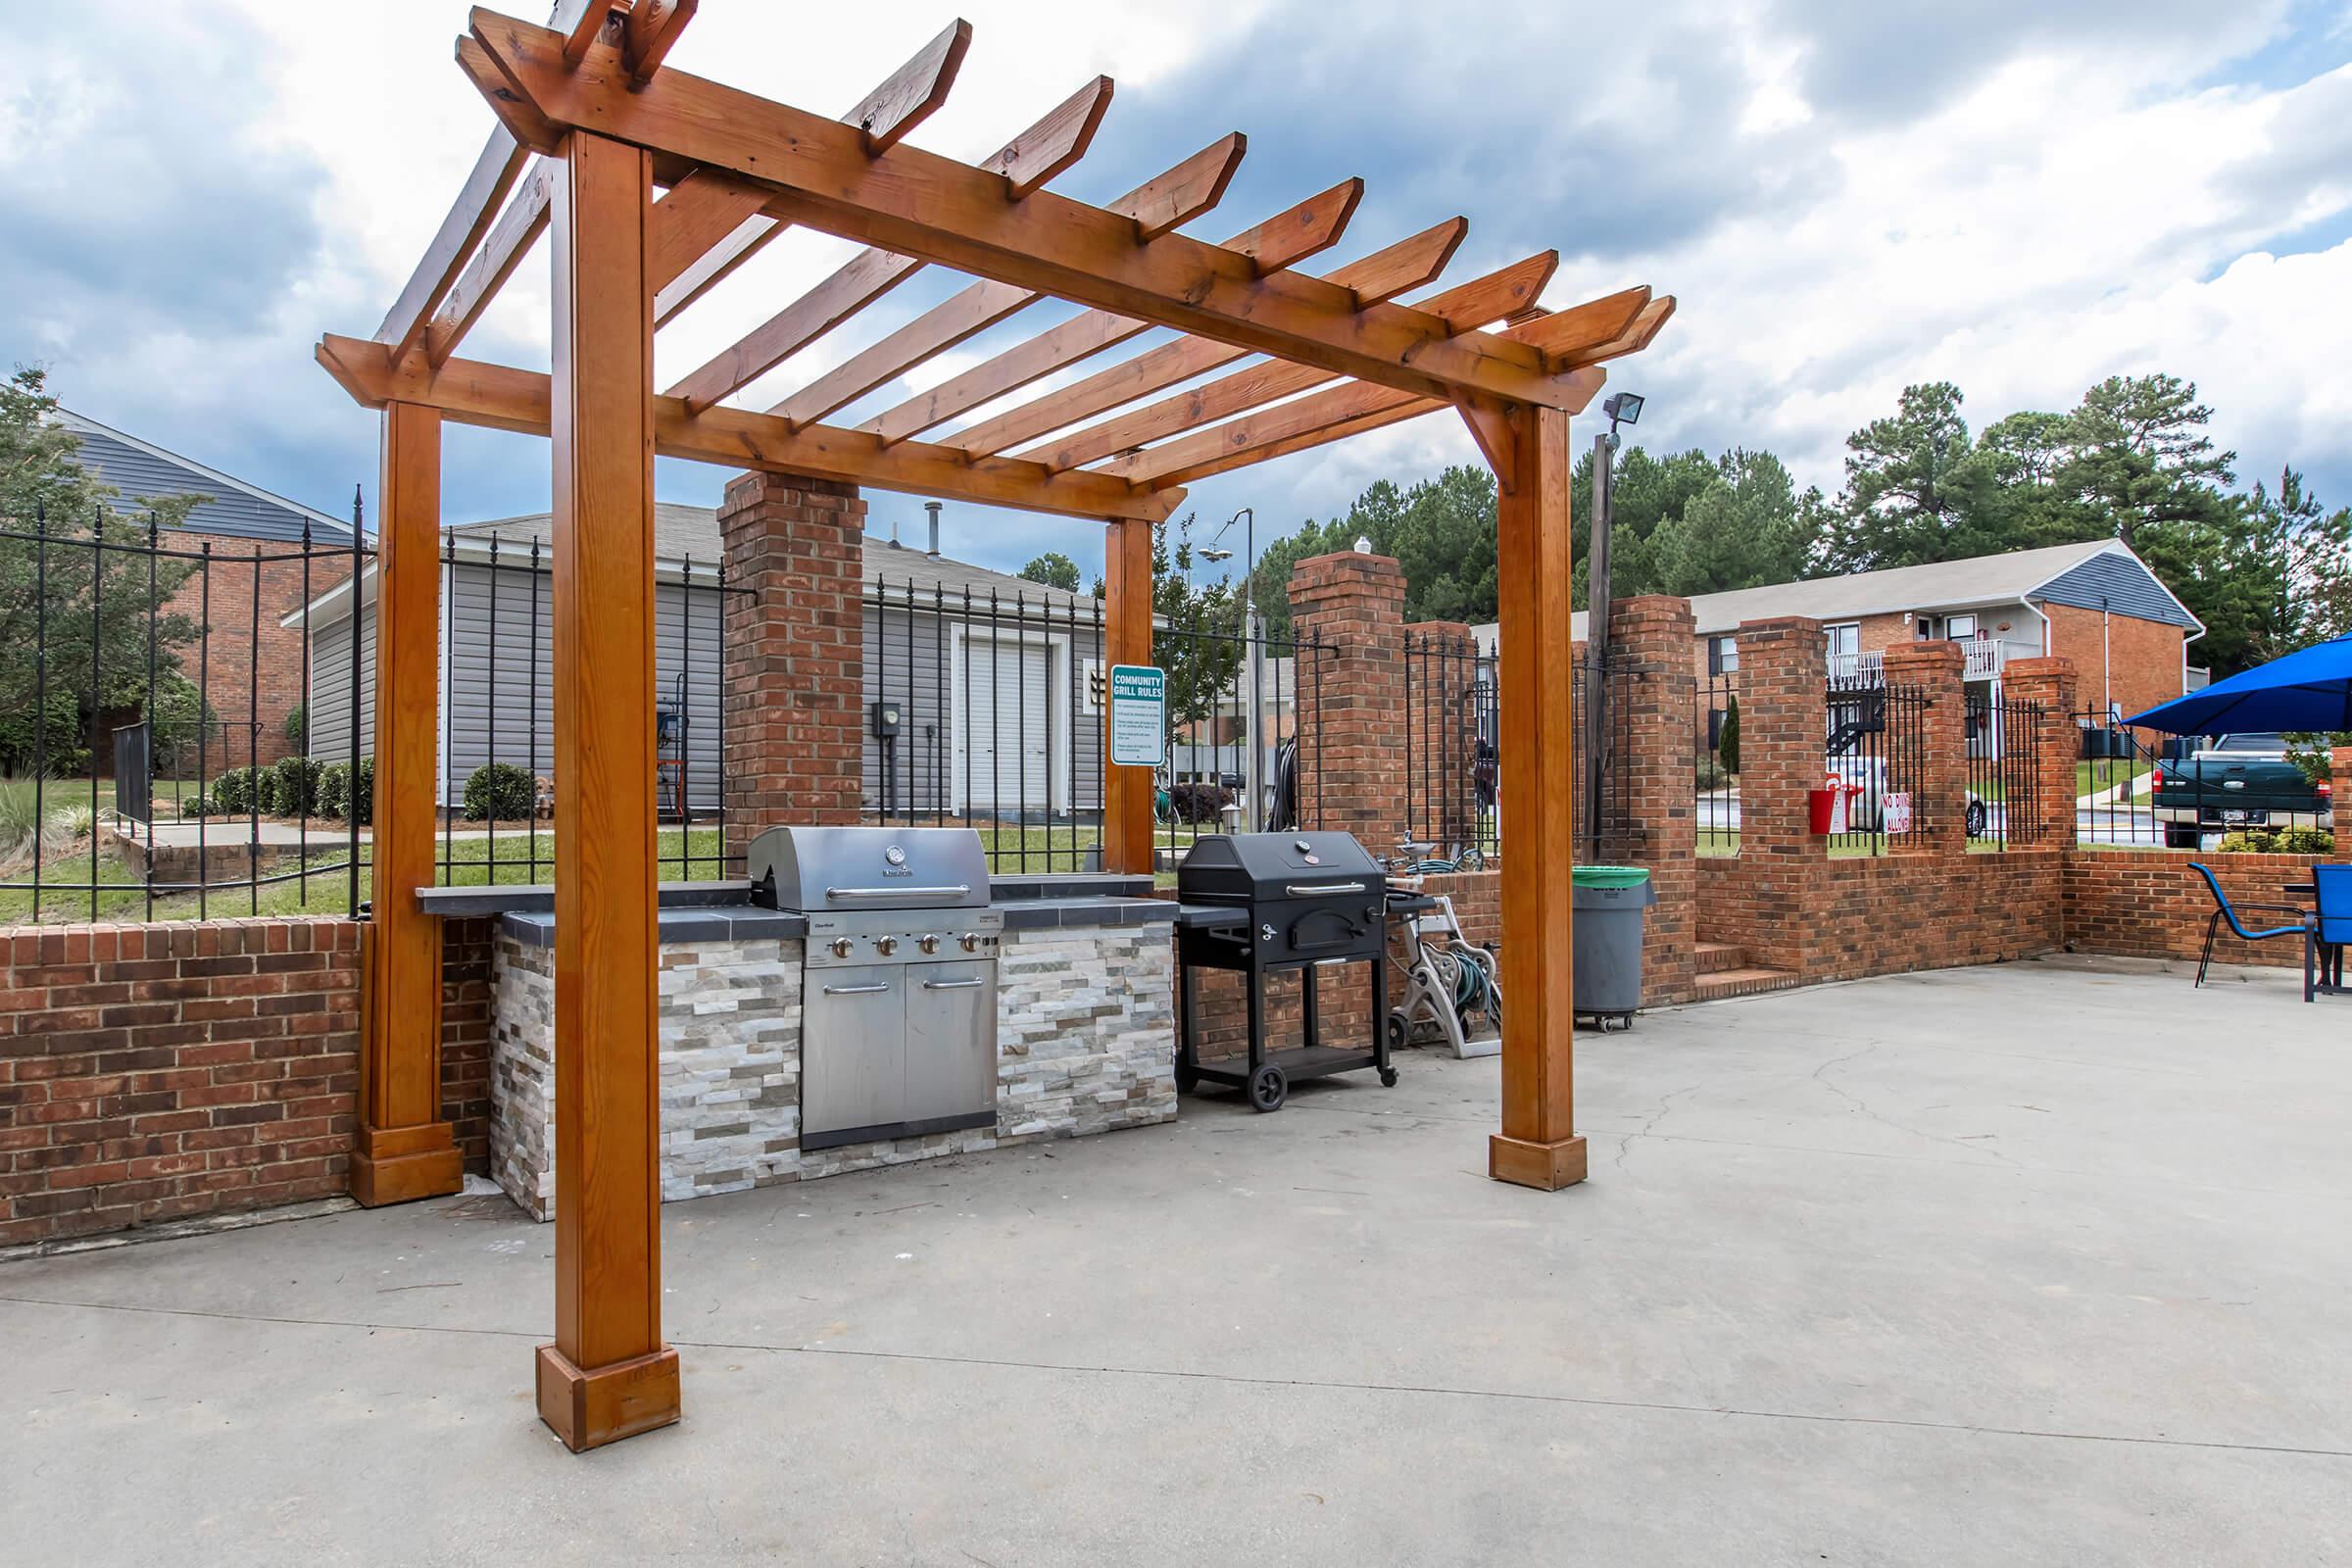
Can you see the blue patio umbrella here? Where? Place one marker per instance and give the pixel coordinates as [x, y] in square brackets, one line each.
[2308, 689]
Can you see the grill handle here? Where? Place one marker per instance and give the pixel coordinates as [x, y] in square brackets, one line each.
[856, 991]
[957, 891]
[1310, 890]
[952, 985]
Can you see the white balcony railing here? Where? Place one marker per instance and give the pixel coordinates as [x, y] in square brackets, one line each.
[1983, 661]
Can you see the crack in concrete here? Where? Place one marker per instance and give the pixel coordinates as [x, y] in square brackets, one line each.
[1324, 1385]
[1867, 1109]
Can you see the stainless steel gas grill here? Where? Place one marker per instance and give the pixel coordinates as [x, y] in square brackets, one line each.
[898, 984]
[1266, 903]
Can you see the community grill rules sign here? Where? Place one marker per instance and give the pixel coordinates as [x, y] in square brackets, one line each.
[1138, 714]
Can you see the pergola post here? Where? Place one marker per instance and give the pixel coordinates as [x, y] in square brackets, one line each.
[607, 1375]
[1538, 1146]
[1127, 835]
[405, 1149]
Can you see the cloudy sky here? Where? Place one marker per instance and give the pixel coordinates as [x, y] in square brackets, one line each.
[1845, 195]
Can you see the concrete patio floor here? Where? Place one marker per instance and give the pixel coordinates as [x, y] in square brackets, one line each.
[2043, 1263]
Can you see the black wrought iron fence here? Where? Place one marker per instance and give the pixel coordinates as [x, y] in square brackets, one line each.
[497, 740]
[985, 710]
[1239, 756]
[1453, 749]
[1876, 764]
[2003, 739]
[2140, 789]
[1715, 748]
[129, 652]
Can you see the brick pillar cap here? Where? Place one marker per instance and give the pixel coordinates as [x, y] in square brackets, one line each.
[1330, 573]
[2042, 667]
[1926, 656]
[1778, 626]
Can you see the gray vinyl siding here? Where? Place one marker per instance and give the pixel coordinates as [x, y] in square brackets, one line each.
[2118, 584]
[329, 704]
[142, 475]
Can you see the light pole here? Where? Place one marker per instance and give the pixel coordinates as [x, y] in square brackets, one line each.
[1623, 408]
[1253, 752]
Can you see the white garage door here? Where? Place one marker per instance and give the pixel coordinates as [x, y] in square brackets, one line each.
[1005, 726]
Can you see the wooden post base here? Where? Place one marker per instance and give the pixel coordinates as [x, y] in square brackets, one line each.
[617, 1400]
[400, 1164]
[1546, 1167]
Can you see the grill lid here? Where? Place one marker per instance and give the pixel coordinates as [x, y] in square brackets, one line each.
[814, 868]
[1279, 865]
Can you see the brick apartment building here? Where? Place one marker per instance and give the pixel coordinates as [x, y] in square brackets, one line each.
[2094, 602]
[253, 677]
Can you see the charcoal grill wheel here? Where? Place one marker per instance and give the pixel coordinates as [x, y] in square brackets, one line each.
[1187, 1077]
[1387, 1077]
[1268, 1087]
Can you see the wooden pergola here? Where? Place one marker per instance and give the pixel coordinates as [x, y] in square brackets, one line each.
[656, 185]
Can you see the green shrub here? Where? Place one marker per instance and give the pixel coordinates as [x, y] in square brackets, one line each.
[1727, 747]
[2279, 841]
[192, 806]
[336, 791]
[175, 726]
[294, 785]
[232, 793]
[298, 724]
[55, 746]
[497, 792]
[1712, 775]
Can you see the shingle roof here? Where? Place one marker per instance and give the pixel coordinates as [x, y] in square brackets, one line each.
[680, 531]
[1940, 585]
[142, 471]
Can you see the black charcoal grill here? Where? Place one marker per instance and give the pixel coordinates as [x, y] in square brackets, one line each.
[1263, 902]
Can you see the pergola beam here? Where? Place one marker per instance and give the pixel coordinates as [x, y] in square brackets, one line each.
[1500, 296]
[1025, 163]
[1158, 206]
[1407, 263]
[911, 95]
[1284, 240]
[920, 203]
[1296, 427]
[498, 396]
[503, 249]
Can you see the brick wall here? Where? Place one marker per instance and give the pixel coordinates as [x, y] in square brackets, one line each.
[251, 677]
[1647, 637]
[795, 653]
[2145, 656]
[1885, 914]
[2146, 904]
[151, 1073]
[468, 949]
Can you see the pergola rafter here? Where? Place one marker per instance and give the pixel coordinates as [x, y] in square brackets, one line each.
[656, 187]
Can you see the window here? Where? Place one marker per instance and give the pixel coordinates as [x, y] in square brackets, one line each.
[1723, 656]
[1845, 640]
[1960, 628]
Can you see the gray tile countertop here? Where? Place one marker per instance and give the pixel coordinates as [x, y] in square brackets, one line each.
[748, 922]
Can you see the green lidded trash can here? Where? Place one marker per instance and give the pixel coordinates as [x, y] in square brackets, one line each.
[1609, 900]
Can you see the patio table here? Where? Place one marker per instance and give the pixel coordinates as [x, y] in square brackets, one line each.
[2332, 958]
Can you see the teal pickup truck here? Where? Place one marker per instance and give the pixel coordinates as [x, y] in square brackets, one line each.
[2240, 781]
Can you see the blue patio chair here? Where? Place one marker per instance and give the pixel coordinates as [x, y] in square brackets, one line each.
[2328, 932]
[2222, 910]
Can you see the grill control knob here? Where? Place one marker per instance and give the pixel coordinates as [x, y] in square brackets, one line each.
[970, 941]
[929, 943]
[841, 947]
[886, 946]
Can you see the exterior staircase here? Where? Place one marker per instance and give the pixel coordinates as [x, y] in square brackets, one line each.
[1724, 971]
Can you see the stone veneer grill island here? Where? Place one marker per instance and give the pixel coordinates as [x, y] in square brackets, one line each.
[1086, 1040]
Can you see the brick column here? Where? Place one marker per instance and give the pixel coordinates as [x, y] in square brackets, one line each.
[2342, 801]
[1939, 789]
[1350, 720]
[2057, 749]
[793, 652]
[1652, 637]
[1784, 735]
[1442, 667]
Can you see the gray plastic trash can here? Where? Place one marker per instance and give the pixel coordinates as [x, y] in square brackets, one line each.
[1609, 900]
